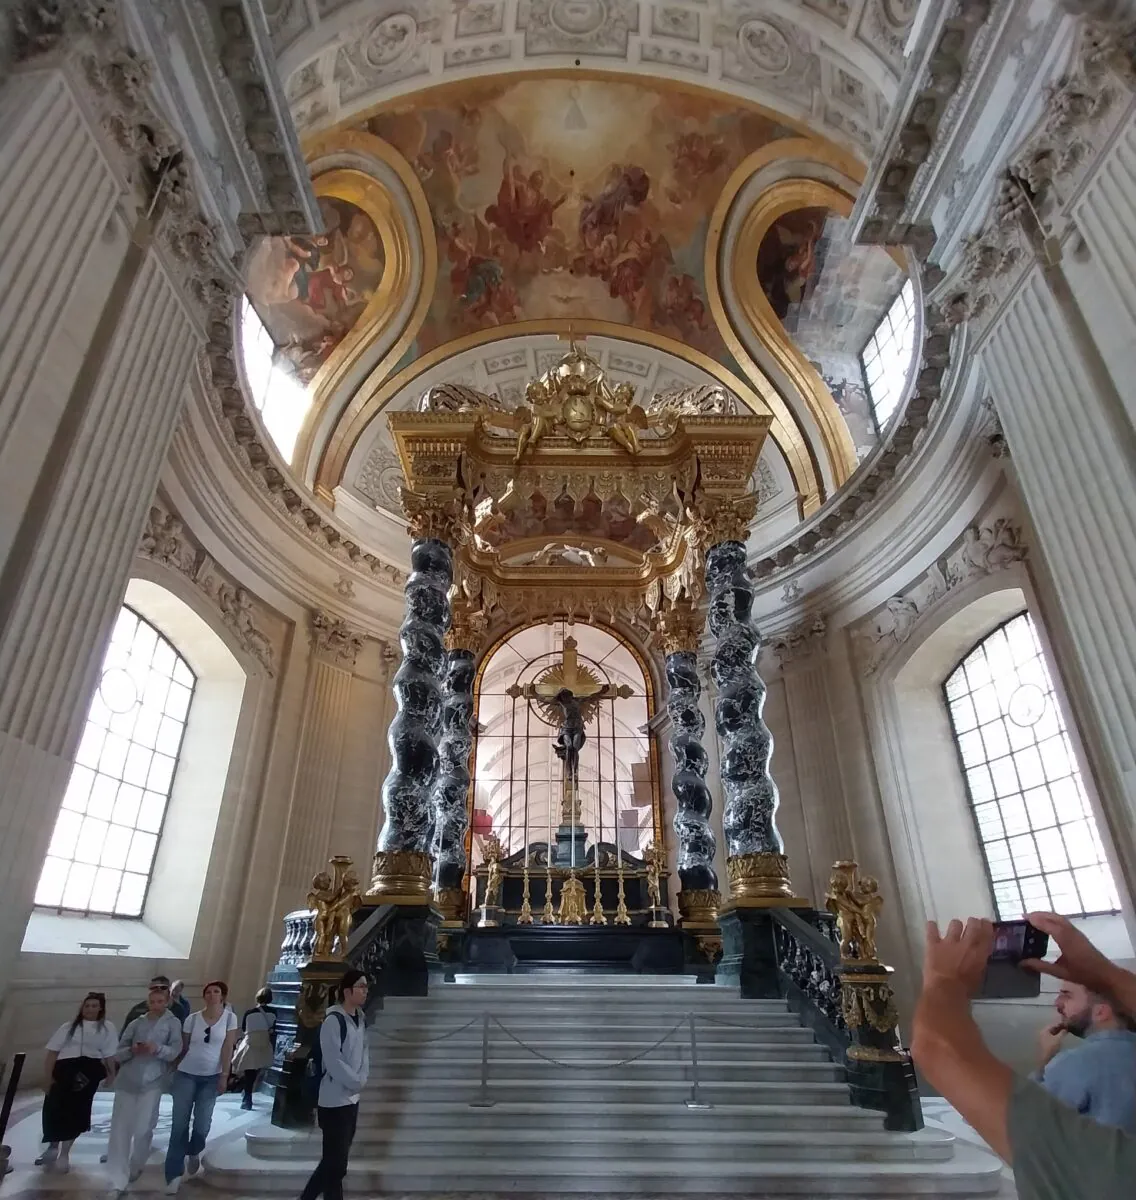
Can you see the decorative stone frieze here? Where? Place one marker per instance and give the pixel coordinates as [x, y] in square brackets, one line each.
[334, 638]
[982, 550]
[800, 643]
[166, 542]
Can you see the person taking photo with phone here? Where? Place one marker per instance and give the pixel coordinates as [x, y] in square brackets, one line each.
[1056, 1153]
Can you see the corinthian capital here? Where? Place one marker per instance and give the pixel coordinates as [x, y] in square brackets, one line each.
[468, 626]
[679, 627]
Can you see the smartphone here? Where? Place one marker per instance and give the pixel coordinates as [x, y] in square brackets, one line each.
[1005, 979]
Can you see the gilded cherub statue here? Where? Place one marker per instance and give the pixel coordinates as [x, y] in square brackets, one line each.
[855, 901]
[334, 897]
[655, 859]
[494, 852]
[572, 903]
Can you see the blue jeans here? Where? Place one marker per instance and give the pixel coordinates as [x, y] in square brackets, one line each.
[194, 1095]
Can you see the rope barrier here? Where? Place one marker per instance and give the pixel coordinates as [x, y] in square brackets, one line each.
[590, 1066]
[390, 1037]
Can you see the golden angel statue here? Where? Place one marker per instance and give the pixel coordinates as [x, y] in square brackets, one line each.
[855, 901]
[572, 902]
[655, 859]
[494, 852]
[334, 897]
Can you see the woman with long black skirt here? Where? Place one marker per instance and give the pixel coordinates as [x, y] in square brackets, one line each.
[80, 1055]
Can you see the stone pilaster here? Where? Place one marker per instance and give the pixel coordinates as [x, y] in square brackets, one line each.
[679, 631]
[451, 791]
[1074, 453]
[326, 706]
[756, 862]
[402, 860]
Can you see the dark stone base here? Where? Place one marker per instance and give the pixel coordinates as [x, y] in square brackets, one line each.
[521, 949]
[571, 846]
[749, 955]
[413, 951]
[289, 1108]
[890, 1088]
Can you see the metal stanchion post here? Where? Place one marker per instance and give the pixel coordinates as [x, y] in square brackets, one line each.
[483, 1100]
[695, 1100]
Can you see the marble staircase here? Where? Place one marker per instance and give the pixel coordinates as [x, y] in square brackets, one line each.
[563, 1109]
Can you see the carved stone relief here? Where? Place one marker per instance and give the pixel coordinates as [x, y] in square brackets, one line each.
[166, 541]
[336, 639]
[981, 551]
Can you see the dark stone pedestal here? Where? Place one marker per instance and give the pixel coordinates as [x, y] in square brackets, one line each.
[412, 951]
[571, 846]
[289, 1108]
[887, 1087]
[749, 955]
[518, 949]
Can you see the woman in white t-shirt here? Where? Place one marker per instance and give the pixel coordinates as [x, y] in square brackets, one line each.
[202, 1075]
[80, 1055]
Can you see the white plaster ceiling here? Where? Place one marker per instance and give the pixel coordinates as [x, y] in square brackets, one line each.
[370, 492]
[833, 64]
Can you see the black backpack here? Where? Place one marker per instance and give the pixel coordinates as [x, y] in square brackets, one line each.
[313, 1069]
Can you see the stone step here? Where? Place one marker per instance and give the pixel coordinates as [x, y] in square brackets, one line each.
[515, 1064]
[551, 1089]
[590, 1015]
[388, 1047]
[444, 1115]
[533, 1033]
[644, 1144]
[562, 980]
[682, 996]
[969, 1173]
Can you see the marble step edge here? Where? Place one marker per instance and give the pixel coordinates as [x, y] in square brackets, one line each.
[565, 1109]
[506, 1050]
[497, 1082]
[543, 1036]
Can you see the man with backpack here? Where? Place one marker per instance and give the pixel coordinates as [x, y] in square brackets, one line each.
[339, 1065]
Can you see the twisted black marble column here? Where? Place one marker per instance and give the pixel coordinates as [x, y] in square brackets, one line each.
[688, 783]
[451, 790]
[413, 738]
[750, 793]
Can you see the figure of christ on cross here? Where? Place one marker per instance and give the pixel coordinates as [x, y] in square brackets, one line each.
[569, 694]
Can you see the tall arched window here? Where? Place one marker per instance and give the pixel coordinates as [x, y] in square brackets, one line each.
[1037, 830]
[106, 836]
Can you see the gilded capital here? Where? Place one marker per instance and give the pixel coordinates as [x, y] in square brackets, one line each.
[433, 516]
[718, 519]
[468, 626]
[679, 627]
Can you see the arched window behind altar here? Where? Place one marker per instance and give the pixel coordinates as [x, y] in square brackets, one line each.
[518, 779]
[1038, 833]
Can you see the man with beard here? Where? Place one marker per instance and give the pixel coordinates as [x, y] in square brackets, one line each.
[1097, 1074]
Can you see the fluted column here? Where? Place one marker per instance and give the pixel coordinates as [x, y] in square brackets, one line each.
[755, 855]
[327, 701]
[60, 594]
[1074, 452]
[680, 627]
[402, 867]
[451, 791]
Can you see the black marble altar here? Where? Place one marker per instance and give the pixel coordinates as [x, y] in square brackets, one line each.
[750, 793]
[688, 783]
[520, 949]
[408, 819]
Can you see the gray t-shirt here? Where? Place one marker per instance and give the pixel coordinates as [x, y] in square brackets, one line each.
[1061, 1155]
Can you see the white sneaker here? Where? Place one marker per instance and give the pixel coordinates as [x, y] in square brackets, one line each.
[172, 1187]
[192, 1164]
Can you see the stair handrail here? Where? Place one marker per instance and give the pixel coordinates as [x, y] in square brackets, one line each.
[832, 978]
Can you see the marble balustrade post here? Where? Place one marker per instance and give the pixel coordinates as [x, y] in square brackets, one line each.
[451, 791]
[756, 864]
[680, 627]
[402, 867]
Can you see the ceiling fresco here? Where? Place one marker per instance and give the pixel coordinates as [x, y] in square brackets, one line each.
[573, 198]
[310, 291]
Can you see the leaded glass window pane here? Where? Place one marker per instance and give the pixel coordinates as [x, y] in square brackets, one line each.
[106, 837]
[886, 359]
[1038, 835]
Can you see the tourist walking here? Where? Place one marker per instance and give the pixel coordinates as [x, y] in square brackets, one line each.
[80, 1055]
[345, 1065]
[179, 1005]
[208, 1037]
[257, 1045]
[147, 1050]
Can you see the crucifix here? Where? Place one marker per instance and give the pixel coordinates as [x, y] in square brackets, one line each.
[568, 694]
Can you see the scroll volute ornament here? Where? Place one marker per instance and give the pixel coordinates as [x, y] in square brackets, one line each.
[855, 901]
[334, 897]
